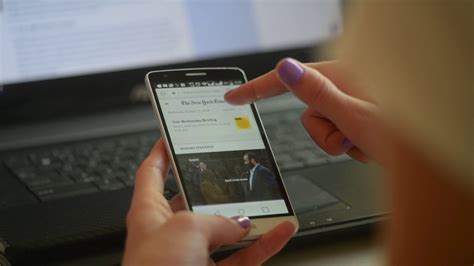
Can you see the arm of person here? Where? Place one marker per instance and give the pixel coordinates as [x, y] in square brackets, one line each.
[269, 177]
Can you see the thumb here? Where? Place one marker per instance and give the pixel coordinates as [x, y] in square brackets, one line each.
[219, 230]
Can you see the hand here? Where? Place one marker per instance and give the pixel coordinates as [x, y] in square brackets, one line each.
[156, 235]
[339, 117]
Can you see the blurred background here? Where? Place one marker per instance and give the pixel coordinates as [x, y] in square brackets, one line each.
[75, 117]
[100, 50]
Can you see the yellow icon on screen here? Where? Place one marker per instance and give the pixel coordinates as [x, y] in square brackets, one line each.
[242, 122]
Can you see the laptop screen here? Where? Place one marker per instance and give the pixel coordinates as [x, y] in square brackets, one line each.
[50, 39]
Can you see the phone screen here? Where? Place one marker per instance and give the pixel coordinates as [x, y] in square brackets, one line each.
[221, 152]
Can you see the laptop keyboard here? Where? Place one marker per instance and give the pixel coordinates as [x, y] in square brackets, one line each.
[82, 168]
[108, 164]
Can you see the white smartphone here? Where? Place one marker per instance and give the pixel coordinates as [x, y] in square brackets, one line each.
[220, 153]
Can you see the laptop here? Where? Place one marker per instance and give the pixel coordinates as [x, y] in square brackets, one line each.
[76, 122]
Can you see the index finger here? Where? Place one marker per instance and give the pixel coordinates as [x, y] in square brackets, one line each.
[265, 86]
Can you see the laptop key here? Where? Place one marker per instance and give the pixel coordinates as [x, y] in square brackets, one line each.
[48, 164]
[109, 184]
[104, 170]
[18, 161]
[47, 179]
[127, 178]
[313, 161]
[25, 173]
[339, 158]
[52, 193]
[84, 177]
[290, 165]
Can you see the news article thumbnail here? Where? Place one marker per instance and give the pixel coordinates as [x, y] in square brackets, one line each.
[228, 177]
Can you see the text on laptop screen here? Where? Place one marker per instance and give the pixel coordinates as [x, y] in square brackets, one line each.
[46, 39]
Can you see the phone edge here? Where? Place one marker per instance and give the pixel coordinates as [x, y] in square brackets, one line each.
[253, 234]
[165, 139]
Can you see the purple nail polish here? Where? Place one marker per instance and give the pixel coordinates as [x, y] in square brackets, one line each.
[290, 71]
[347, 144]
[243, 221]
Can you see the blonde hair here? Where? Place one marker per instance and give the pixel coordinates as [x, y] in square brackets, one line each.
[415, 58]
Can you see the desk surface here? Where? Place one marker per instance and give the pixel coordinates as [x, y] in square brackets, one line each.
[360, 251]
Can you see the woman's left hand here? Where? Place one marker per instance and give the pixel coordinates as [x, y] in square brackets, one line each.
[161, 233]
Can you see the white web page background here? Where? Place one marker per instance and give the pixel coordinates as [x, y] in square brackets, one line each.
[199, 120]
[257, 208]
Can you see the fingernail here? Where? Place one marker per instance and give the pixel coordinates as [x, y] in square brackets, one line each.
[228, 93]
[243, 221]
[347, 144]
[290, 71]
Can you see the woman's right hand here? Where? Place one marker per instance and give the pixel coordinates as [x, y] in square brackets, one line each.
[339, 117]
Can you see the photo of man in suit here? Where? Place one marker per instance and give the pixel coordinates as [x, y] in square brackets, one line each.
[212, 189]
[262, 184]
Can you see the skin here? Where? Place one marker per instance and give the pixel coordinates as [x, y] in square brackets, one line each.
[431, 219]
[162, 233]
[336, 109]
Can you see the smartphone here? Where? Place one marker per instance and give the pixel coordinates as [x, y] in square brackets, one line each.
[220, 153]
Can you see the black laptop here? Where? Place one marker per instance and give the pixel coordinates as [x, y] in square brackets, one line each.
[75, 121]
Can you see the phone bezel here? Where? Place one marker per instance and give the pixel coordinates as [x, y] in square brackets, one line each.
[260, 224]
